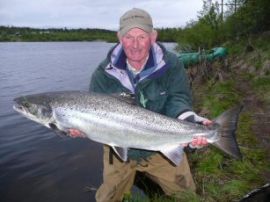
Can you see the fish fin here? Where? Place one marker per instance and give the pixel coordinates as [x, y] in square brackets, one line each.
[121, 152]
[228, 125]
[57, 131]
[174, 154]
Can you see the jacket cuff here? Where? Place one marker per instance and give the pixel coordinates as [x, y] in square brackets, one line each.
[183, 112]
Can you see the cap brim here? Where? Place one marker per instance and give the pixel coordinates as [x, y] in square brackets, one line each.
[145, 28]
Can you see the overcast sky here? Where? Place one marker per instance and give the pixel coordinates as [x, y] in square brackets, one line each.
[94, 13]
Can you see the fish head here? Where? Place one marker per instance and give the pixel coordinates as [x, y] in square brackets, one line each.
[35, 108]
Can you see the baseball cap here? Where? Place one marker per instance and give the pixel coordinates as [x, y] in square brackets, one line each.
[135, 18]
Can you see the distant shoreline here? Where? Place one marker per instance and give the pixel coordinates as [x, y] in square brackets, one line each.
[13, 34]
[26, 34]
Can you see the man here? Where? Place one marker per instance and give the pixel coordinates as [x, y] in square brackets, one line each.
[156, 78]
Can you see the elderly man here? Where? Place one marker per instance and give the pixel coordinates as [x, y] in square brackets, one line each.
[156, 78]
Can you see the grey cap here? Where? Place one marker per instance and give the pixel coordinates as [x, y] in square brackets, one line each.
[135, 18]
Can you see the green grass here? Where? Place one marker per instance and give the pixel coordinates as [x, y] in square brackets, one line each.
[217, 98]
[262, 83]
[218, 177]
[261, 86]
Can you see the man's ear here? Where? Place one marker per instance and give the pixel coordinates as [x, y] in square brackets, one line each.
[154, 36]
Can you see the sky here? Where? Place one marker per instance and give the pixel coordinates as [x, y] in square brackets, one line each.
[103, 14]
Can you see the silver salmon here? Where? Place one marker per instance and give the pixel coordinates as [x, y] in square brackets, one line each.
[117, 122]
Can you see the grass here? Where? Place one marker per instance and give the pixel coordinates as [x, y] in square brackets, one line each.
[216, 98]
[261, 86]
[218, 177]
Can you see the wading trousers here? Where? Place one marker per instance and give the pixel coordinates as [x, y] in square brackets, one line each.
[118, 177]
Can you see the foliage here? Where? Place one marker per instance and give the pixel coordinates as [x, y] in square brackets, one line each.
[168, 34]
[30, 34]
[249, 17]
[207, 31]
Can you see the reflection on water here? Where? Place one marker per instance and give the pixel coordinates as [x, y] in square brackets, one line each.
[35, 163]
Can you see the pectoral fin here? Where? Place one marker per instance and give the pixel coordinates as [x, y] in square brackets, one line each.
[57, 131]
[121, 152]
[174, 154]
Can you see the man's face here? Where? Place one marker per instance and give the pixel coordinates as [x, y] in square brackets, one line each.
[137, 43]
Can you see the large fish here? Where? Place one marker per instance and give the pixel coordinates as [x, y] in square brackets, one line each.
[117, 122]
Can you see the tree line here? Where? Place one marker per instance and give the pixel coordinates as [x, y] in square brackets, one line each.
[243, 19]
[53, 34]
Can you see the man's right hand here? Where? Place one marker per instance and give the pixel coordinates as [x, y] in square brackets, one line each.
[74, 133]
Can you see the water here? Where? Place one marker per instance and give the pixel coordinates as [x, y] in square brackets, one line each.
[35, 163]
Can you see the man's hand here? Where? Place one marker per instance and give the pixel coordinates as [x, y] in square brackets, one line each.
[74, 133]
[207, 122]
[191, 116]
[200, 142]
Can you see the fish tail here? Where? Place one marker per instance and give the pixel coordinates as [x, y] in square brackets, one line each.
[228, 125]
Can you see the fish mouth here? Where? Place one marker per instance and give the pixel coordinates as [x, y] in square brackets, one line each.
[24, 112]
[17, 106]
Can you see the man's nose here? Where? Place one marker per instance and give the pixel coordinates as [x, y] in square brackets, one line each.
[135, 43]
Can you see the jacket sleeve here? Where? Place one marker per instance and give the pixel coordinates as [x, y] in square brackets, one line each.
[98, 82]
[95, 83]
[179, 92]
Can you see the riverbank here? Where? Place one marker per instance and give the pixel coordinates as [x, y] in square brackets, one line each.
[244, 78]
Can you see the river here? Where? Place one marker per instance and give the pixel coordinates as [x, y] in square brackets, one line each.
[36, 164]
